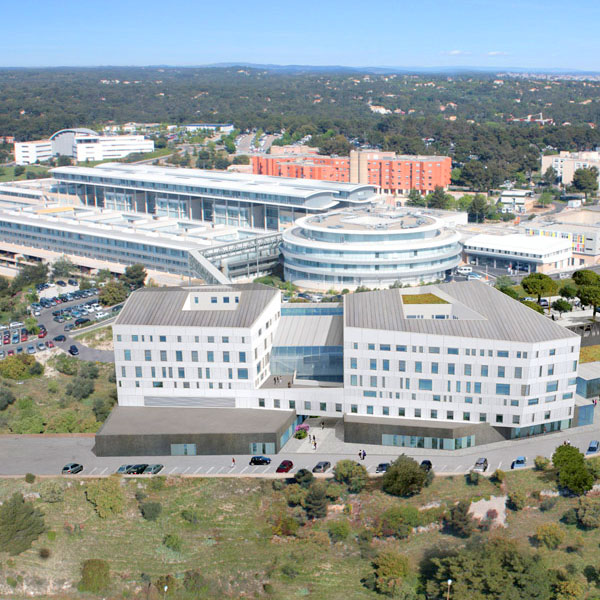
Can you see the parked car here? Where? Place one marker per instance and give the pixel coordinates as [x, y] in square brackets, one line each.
[382, 467]
[41, 346]
[43, 333]
[30, 350]
[285, 466]
[11, 352]
[81, 321]
[520, 462]
[153, 469]
[69, 326]
[72, 282]
[136, 469]
[59, 338]
[101, 315]
[260, 460]
[544, 302]
[72, 468]
[123, 469]
[73, 350]
[2, 354]
[426, 465]
[322, 467]
[61, 283]
[593, 447]
[481, 465]
[50, 344]
[20, 350]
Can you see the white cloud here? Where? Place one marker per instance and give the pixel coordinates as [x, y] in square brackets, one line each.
[497, 53]
[455, 53]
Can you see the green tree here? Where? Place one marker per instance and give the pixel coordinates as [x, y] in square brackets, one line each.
[549, 177]
[568, 292]
[20, 525]
[534, 306]
[588, 512]
[62, 268]
[151, 510]
[30, 275]
[404, 477]
[572, 471]
[52, 491]
[315, 503]
[586, 277]
[498, 568]
[415, 198]
[80, 388]
[459, 521]
[106, 495]
[391, 572]
[551, 535]
[352, 474]
[134, 276]
[113, 293]
[545, 198]
[19, 170]
[95, 576]
[538, 284]
[478, 208]
[562, 306]
[399, 521]
[510, 291]
[585, 180]
[304, 478]
[589, 295]
[475, 176]
[438, 198]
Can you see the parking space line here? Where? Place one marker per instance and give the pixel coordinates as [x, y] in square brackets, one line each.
[220, 469]
[266, 468]
[186, 470]
[173, 470]
[442, 468]
[499, 464]
[93, 470]
[199, 469]
[243, 469]
[459, 467]
[103, 471]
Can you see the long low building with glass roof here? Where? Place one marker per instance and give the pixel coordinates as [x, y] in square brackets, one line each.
[222, 198]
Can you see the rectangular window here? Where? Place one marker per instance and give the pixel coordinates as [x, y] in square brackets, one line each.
[163, 355]
[435, 368]
[370, 394]
[292, 404]
[503, 389]
[118, 337]
[567, 396]
[516, 419]
[551, 386]
[207, 371]
[482, 417]
[225, 339]
[499, 419]
[179, 355]
[466, 416]
[477, 387]
[134, 338]
[533, 401]
[501, 372]
[210, 356]
[354, 408]
[518, 372]
[468, 399]
[242, 357]
[550, 369]
[127, 354]
[468, 370]
[369, 409]
[226, 357]
[338, 407]
[124, 372]
[157, 384]
[385, 347]
[373, 364]
[211, 339]
[138, 371]
[199, 372]
[261, 403]
[385, 411]
[181, 373]
[502, 353]
[553, 352]
[213, 299]
[371, 346]
[147, 355]
[401, 412]
[484, 370]
[162, 338]
[401, 348]
[417, 413]
[418, 367]
[242, 373]
[574, 366]
[353, 362]
[450, 415]
[452, 350]
[425, 385]
[434, 349]
[194, 355]
[402, 366]
[373, 381]
[433, 413]
[353, 380]
[385, 364]
[451, 369]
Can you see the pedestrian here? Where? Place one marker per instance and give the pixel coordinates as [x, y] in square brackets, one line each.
[232, 462]
[360, 454]
[274, 379]
[322, 425]
[315, 445]
[364, 455]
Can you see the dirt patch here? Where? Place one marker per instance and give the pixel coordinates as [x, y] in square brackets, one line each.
[480, 509]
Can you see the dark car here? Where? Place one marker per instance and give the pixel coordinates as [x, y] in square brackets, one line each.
[285, 467]
[123, 469]
[60, 338]
[322, 466]
[73, 350]
[72, 281]
[81, 321]
[69, 326]
[136, 469]
[61, 283]
[426, 465]
[481, 465]
[382, 467]
[593, 447]
[153, 469]
[260, 460]
[72, 468]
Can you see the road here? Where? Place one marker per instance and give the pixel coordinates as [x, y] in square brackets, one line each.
[47, 454]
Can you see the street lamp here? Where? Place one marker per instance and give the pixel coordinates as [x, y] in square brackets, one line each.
[449, 584]
[166, 588]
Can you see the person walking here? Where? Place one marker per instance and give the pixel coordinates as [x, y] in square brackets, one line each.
[360, 454]
[322, 425]
[364, 455]
[232, 462]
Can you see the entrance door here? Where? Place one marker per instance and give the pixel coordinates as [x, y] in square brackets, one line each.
[183, 449]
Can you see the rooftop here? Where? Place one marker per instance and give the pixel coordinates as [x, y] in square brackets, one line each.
[371, 219]
[167, 306]
[310, 330]
[590, 370]
[476, 310]
[518, 242]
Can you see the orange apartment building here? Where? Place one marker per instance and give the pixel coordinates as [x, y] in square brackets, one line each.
[389, 172]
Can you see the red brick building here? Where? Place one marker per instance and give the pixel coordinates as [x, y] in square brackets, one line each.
[391, 173]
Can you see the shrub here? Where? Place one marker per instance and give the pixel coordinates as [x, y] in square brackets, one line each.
[44, 553]
[173, 542]
[569, 517]
[300, 434]
[16, 367]
[575, 543]
[157, 483]
[20, 525]
[541, 463]
[498, 476]
[191, 515]
[299, 515]
[283, 524]
[547, 504]
[338, 530]
[404, 477]
[95, 576]
[473, 478]
[36, 369]
[304, 477]
[29, 478]
[550, 535]
[53, 387]
[459, 521]
[391, 571]
[588, 512]
[51, 535]
[278, 485]
[88, 370]
[334, 490]
[12, 582]
[352, 474]
[151, 510]
[6, 398]
[106, 496]
[140, 495]
[67, 365]
[52, 491]
[315, 503]
[295, 495]
[399, 521]
[573, 473]
[516, 500]
[80, 388]
[290, 570]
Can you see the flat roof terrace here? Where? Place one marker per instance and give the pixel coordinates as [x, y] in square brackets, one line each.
[371, 220]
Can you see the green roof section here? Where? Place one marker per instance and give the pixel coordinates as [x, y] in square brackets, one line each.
[422, 299]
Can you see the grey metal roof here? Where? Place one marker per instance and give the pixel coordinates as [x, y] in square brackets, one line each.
[589, 370]
[163, 307]
[485, 313]
[311, 330]
[144, 420]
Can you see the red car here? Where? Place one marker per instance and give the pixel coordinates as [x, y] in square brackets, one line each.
[43, 333]
[11, 352]
[49, 344]
[285, 467]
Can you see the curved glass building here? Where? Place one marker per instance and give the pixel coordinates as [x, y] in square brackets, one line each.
[370, 247]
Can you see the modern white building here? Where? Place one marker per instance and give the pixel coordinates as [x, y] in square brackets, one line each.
[566, 163]
[372, 247]
[82, 145]
[443, 366]
[514, 201]
[533, 254]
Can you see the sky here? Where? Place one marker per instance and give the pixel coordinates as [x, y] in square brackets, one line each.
[412, 33]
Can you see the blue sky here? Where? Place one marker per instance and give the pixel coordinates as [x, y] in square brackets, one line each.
[520, 33]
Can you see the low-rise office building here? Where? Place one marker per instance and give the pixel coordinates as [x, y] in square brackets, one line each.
[219, 197]
[518, 252]
[566, 163]
[370, 247]
[445, 366]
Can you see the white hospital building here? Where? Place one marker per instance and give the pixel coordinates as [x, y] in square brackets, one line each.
[444, 366]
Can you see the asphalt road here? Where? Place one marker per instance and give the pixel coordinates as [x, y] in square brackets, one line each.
[47, 454]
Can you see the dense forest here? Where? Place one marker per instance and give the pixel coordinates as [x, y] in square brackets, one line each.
[466, 116]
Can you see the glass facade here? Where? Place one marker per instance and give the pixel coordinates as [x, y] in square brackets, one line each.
[522, 432]
[323, 363]
[434, 443]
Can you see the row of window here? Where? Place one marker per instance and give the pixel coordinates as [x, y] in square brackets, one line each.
[194, 356]
[181, 372]
[211, 339]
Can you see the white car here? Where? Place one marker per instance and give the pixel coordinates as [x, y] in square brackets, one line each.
[101, 315]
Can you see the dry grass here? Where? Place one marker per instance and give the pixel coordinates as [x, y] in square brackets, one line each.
[422, 299]
[589, 354]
